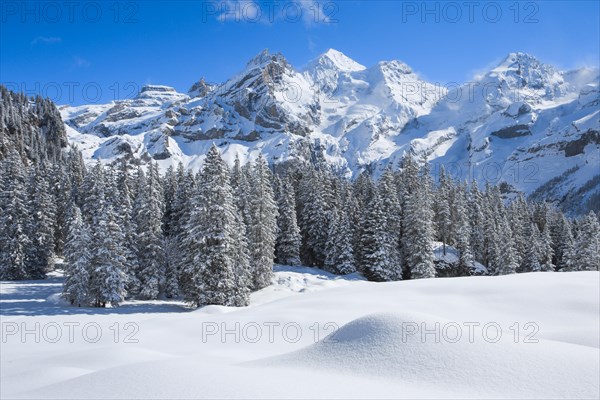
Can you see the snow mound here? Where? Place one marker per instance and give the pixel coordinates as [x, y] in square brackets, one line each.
[288, 280]
[375, 353]
[484, 363]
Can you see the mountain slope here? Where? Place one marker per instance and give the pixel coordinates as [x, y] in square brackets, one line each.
[523, 122]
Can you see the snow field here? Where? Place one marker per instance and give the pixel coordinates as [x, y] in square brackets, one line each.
[321, 336]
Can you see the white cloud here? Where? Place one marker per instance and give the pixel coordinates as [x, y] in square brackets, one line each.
[45, 40]
[79, 62]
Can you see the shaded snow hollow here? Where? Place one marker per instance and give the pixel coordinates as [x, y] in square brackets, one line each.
[332, 337]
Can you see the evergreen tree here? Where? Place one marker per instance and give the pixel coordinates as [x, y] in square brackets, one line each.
[14, 218]
[242, 264]
[93, 197]
[169, 185]
[41, 225]
[362, 194]
[441, 204]
[287, 248]
[262, 234]
[381, 258]
[314, 218]
[148, 219]
[476, 222]
[491, 231]
[76, 172]
[566, 246]
[519, 218]
[124, 204]
[462, 232]
[211, 273]
[60, 191]
[340, 257]
[418, 229]
[505, 261]
[587, 244]
[77, 261]
[107, 281]
[531, 259]
[185, 203]
[546, 252]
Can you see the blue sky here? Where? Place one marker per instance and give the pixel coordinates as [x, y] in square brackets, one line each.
[84, 52]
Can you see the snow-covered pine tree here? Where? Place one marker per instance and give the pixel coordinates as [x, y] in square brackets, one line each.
[491, 230]
[242, 176]
[566, 245]
[546, 252]
[209, 274]
[14, 218]
[93, 194]
[190, 257]
[505, 261]
[340, 256]
[287, 248]
[587, 244]
[77, 260]
[381, 258]
[392, 209]
[42, 225]
[569, 255]
[408, 180]
[111, 192]
[124, 204]
[236, 176]
[148, 221]
[462, 231]
[60, 190]
[519, 217]
[441, 206]
[263, 232]
[76, 172]
[169, 188]
[313, 218]
[107, 275]
[185, 202]
[531, 260]
[375, 262]
[418, 234]
[170, 184]
[476, 222]
[362, 190]
[242, 263]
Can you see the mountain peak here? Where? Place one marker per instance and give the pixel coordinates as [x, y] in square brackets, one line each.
[518, 59]
[156, 88]
[265, 57]
[149, 91]
[524, 70]
[395, 65]
[337, 60]
[200, 88]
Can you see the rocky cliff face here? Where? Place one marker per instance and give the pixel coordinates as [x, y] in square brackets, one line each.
[524, 122]
[31, 126]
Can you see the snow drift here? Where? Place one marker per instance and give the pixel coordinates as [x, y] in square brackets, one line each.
[373, 354]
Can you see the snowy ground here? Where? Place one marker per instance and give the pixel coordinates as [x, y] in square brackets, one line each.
[278, 347]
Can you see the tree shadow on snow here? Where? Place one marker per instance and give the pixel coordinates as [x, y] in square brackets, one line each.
[41, 297]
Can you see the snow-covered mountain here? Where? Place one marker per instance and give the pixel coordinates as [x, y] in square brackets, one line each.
[524, 122]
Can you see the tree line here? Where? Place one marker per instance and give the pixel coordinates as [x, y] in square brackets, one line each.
[212, 237]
